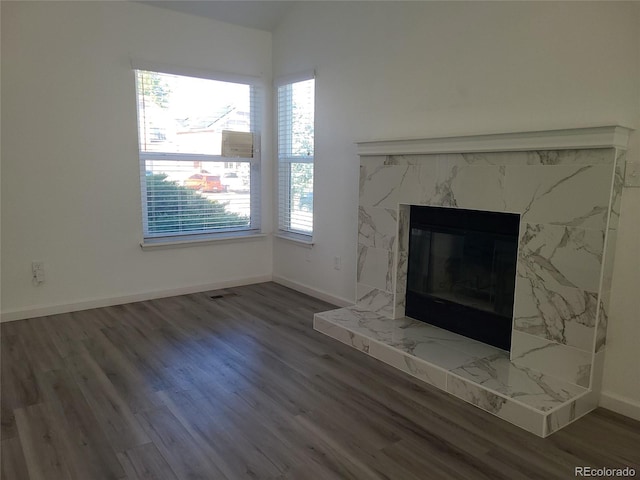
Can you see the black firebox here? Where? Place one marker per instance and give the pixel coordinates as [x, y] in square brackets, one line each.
[462, 270]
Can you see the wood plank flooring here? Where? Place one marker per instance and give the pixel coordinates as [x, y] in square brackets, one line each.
[239, 386]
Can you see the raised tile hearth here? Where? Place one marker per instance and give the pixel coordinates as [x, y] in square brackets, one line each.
[565, 186]
[477, 373]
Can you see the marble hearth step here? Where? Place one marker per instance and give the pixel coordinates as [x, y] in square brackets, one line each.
[477, 373]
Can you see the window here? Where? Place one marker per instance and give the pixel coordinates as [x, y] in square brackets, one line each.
[199, 155]
[296, 105]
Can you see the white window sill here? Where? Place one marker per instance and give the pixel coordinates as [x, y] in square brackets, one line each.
[233, 237]
[305, 240]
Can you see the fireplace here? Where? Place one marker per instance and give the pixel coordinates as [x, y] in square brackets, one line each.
[564, 188]
[461, 271]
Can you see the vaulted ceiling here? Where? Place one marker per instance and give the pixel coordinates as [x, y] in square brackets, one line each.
[263, 15]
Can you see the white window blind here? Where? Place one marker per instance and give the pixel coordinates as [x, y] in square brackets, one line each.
[199, 155]
[296, 110]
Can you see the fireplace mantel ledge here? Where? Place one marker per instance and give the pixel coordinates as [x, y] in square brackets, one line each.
[610, 136]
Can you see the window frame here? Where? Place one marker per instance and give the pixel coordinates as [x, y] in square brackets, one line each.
[254, 228]
[283, 192]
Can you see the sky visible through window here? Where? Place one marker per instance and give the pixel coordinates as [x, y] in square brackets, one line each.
[187, 115]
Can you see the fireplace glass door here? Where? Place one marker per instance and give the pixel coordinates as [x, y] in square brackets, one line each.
[461, 272]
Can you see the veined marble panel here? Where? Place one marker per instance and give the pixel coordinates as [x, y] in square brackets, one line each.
[548, 301]
[414, 332]
[591, 399]
[558, 194]
[410, 336]
[374, 161]
[375, 267]
[542, 157]
[559, 418]
[386, 186]
[609, 259]
[582, 405]
[401, 284]
[498, 405]
[566, 363]
[560, 255]
[537, 390]
[345, 336]
[404, 212]
[374, 300]
[603, 320]
[406, 160]
[476, 187]
[563, 315]
[616, 191]
[366, 322]
[408, 364]
[594, 156]
[377, 227]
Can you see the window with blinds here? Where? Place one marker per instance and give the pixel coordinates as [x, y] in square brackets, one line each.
[296, 108]
[199, 155]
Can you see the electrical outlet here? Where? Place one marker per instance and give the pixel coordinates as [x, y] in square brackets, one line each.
[37, 272]
[337, 263]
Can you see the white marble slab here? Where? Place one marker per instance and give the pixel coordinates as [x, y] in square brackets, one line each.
[534, 389]
[377, 227]
[559, 418]
[595, 156]
[603, 320]
[609, 259]
[498, 405]
[566, 363]
[616, 191]
[474, 187]
[383, 186]
[413, 366]
[375, 300]
[562, 314]
[348, 337]
[561, 255]
[375, 267]
[569, 195]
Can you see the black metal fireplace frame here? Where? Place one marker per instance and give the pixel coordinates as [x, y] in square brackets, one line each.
[484, 326]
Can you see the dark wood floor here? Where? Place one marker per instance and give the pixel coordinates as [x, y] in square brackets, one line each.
[240, 386]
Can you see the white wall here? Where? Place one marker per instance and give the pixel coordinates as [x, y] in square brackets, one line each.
[70, 172]
[621, 385]
[416, 69]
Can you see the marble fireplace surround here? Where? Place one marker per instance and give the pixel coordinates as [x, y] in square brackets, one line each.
[566, 187]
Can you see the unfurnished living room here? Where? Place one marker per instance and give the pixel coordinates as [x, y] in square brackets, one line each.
[320, 240]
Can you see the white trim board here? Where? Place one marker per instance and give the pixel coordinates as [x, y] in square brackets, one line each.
[312, 292]
[42, 311]
[610, 136]
[619, 404]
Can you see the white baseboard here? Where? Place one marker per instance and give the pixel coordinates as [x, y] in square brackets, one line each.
[41, 311]
[313, 292]
[619, 404]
